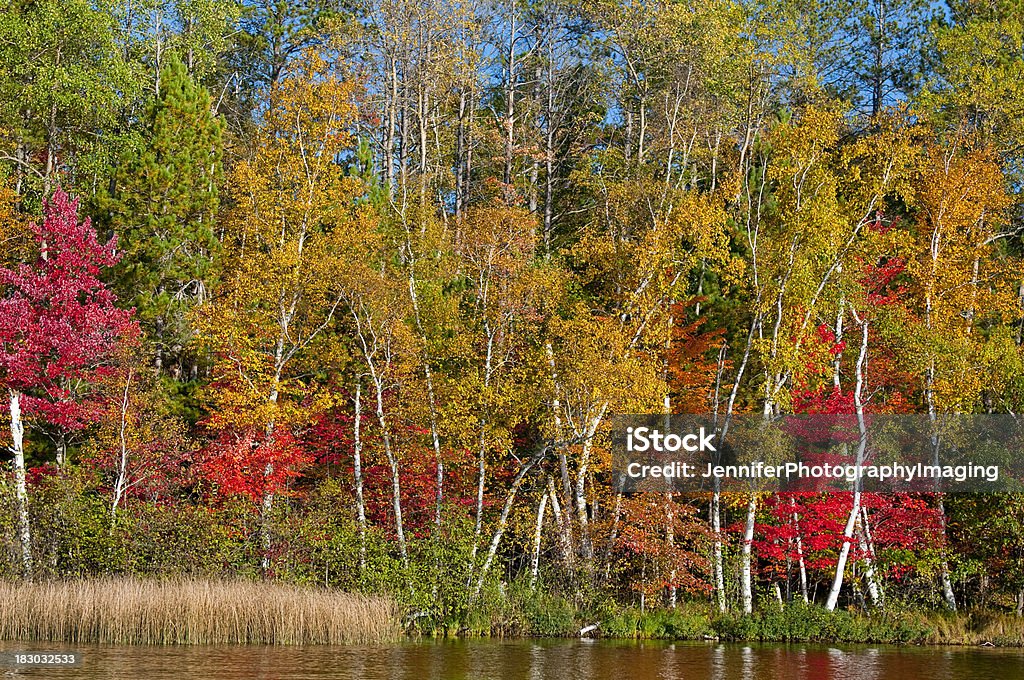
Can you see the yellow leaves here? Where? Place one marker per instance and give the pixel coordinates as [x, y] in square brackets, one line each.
[596, 363]
[961, 191]
[881, 163]
[961, 286]
[814, 238]
[648, 247]
[816, 134]
[968, 366]
[806, 170]
[497, 239]
[311, 109]
[13, 230]
[961, 202]
[292, 185]
[295, 233]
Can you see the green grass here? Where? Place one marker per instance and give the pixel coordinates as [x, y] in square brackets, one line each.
[522, 613]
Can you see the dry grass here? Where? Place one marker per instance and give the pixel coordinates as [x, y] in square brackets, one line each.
[975, 628]
[183, 611]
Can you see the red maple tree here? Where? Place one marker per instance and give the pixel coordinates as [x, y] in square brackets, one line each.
[59, 326]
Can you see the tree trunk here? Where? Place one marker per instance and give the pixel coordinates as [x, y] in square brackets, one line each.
[396, 484]
[121, 482]
[460, 149]
[853, 519]
[20, 489]
[60, 443]
[499, 532]
[716, 529]
[586, 544]
[389, 135]
[510, 98]
[537, 535]
[802, 566]
[429, 376]
[748, 540]
[562, 522]
[947, 582]
[357, 471]
[867, 549]
[670, 538]
[267, 502]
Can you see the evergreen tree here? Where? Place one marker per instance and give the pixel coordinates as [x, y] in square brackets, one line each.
[163, 209]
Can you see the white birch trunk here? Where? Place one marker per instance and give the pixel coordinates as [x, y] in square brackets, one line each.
[537, 535]
[357, 471]
[121, 481]
[801, 565]
[852, 520]
[748, 540]
[20, 488]
[716, 528]
[586, 545]
[866, 547]
[499, 532]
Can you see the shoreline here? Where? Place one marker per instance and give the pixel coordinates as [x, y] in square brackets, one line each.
[187, 611]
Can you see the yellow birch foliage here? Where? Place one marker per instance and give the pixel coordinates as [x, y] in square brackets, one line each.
[810, 244]
[292, 231]
[966, 289]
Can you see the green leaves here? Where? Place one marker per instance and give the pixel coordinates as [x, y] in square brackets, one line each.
[164, 208]
[62, 79]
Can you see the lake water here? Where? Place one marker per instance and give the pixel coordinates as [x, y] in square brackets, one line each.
[532, 660]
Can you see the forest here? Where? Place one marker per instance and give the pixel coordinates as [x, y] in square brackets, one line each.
[345, 293]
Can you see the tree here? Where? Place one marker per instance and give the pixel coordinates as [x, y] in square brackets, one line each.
[275, 34]
[139, 443]
[963, 294]
[61, 83]
[979, 55]
[59, 329]
[164, 209]
[294, 230]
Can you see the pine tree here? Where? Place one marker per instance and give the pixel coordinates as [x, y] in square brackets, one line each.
[163, 210]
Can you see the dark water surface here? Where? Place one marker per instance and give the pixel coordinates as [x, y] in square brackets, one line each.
[532, 660]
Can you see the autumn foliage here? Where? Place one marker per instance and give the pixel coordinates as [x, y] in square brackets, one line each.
[386, 286]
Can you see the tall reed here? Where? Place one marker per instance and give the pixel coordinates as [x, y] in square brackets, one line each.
[189, 611]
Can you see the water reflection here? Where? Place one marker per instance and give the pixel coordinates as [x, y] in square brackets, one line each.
[536, 660]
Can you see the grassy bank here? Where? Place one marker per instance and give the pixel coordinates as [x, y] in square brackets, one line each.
[545, 615]
[801, 623]
[199, 611]
[190, 611]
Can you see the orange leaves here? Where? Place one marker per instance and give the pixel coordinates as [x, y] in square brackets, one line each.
[960, 283]
[292, 184]
[294, 231]
[671, 538]
[692, 362]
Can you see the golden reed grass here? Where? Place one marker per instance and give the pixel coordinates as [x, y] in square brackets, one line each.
[187, 611]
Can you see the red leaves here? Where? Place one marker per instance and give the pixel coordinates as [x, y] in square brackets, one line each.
[58, 322]
[826, 400]
[254, 464]
[899, 524]
[881, 282]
